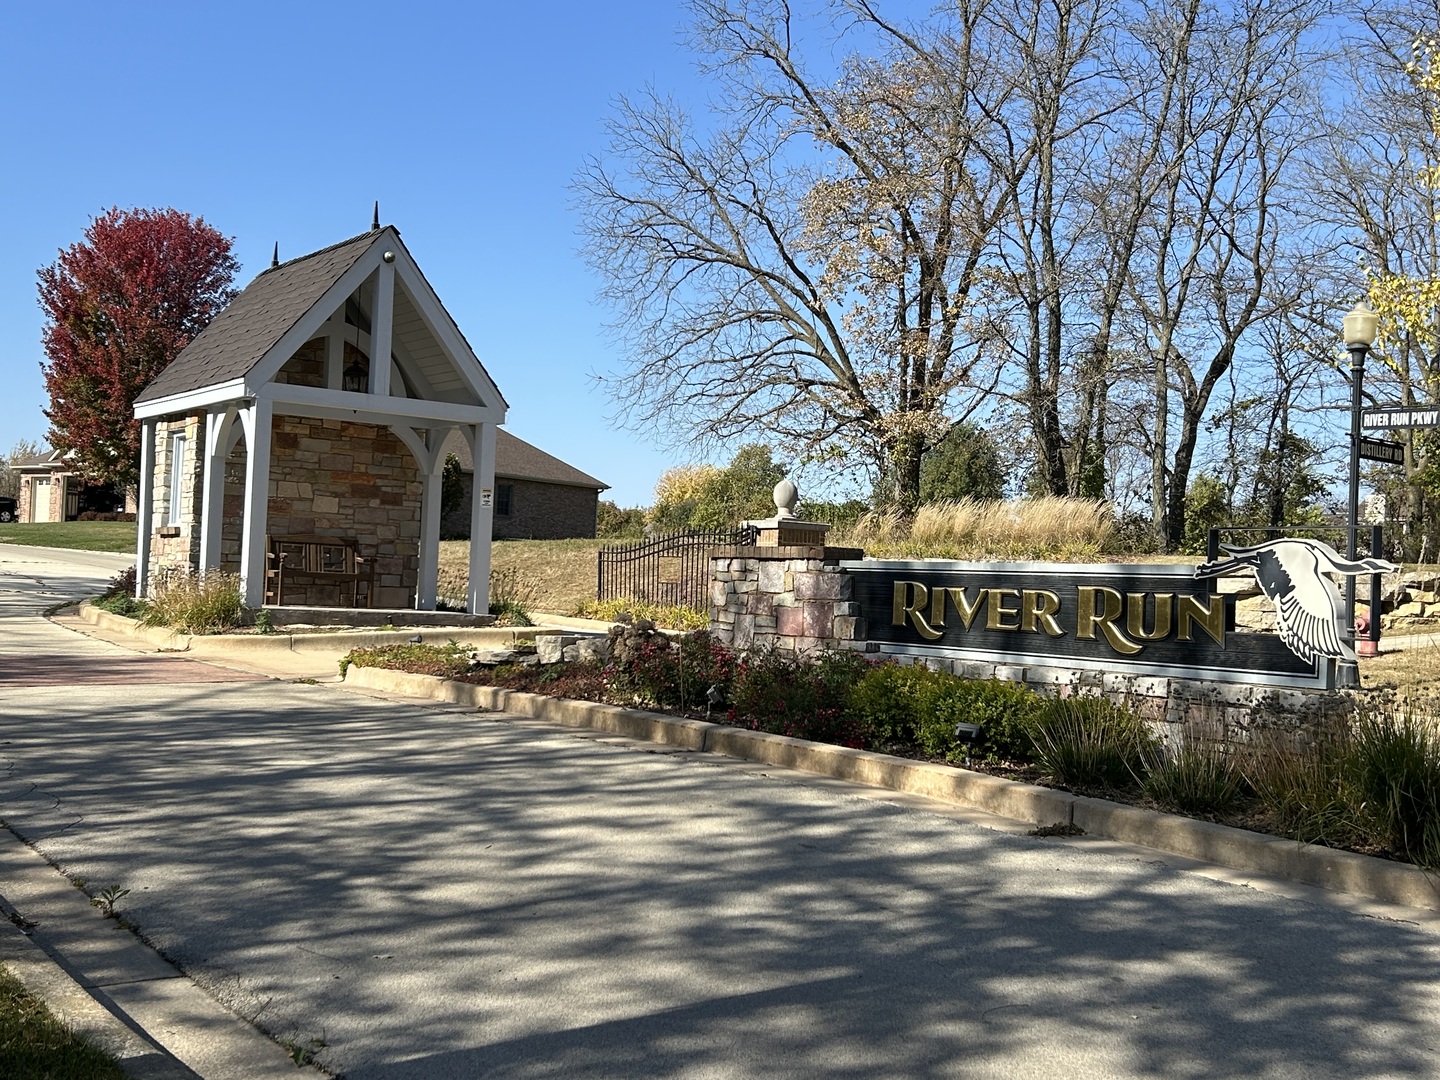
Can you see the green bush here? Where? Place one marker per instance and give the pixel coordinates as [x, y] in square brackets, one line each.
[1393, 781]
[915, 704]
[206, 603]
[120, 604]
[1090, 742]
[887, 699]
[1006, 712]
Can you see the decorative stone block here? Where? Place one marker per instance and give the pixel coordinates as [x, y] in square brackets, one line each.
[744, 631]
[790, 621]
[847, 627]
[821, 586]
[772, 577]
[819, 619]
[719, 593]
[761, 603]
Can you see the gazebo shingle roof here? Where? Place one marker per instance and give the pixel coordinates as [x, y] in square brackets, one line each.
[258, 318]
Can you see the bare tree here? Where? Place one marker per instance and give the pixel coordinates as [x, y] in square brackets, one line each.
[805, 270]
[1213, 261]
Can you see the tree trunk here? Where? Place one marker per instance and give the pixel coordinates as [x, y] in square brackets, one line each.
[905, 456]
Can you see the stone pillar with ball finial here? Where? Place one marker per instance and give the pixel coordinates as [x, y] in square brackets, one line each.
[785, 529]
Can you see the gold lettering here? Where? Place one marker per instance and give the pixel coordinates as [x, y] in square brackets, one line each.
[996, 609]
[1135, 616]
[910, 598]
[1038, 607]
[963, 605]
[1211, 619]
[1087, 619]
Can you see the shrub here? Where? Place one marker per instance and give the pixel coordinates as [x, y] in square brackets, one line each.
[119, 596]
[197, 603]
[1393, 780]
[1090, 742]
[1195, 773]
[1006, 713]
[914, 704]
[805, 697]
[886, 701]
[665, 672]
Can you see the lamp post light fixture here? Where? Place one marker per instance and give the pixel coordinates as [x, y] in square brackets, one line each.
[1360, 327]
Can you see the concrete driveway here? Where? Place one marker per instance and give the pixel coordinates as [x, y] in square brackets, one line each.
[442, 893]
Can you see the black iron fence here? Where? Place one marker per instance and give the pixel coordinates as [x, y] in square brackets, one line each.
[672, 569]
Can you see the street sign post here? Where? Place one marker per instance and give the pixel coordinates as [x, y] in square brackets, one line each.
[1392, 453]
[1400, 416]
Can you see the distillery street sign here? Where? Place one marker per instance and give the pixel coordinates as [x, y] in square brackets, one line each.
[1131, 619]
[1400, 416]
[1392, 453]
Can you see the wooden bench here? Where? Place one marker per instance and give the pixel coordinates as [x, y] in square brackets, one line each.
[295, 561]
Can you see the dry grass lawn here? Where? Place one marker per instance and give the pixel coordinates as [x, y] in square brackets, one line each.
[553, 576]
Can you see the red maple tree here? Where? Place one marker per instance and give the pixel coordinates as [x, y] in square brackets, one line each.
[119, 306]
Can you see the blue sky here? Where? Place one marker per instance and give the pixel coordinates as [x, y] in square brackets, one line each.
[286, 121]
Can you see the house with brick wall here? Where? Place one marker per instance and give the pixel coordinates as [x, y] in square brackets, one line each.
[312, 415]
[536, 496]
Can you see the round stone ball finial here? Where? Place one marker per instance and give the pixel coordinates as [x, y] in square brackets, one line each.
[786, 496]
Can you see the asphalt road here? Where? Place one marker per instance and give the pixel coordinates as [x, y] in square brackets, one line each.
[444, 893]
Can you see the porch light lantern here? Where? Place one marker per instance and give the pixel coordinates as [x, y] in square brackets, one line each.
[355, 379]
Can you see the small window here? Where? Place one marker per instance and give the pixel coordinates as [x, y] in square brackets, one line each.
[177, 478]
[503, 493]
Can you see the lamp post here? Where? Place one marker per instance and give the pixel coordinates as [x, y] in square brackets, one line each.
[1359, 333]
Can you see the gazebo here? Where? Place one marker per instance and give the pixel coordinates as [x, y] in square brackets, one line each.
[277, 424]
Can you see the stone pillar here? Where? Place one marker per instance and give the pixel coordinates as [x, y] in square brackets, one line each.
[795, 598]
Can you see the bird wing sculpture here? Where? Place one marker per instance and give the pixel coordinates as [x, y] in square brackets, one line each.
[1309, 614]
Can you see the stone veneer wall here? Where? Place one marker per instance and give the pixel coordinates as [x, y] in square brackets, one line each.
[337, 478]
[792, 598]
[799, 600]
[175, 549]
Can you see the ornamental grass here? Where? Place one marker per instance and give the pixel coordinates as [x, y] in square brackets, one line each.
[1055, 528]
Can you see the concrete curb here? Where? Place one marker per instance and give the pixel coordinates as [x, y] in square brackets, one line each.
[201, 645]
[1327, 868]
[74, 1007]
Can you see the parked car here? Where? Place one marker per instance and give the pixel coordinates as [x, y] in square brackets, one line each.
[8, 509]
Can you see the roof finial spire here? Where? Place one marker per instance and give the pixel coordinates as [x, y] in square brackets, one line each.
[375, 221]
[275, 257]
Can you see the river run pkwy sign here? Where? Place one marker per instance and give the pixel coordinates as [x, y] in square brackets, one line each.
[1126, 619]
[1400, 416]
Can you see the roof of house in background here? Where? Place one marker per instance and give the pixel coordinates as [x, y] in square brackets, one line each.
[245, 331]
[50, 461]
[515, 459]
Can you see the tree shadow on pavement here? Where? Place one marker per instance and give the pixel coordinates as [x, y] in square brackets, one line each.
[440, 894]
